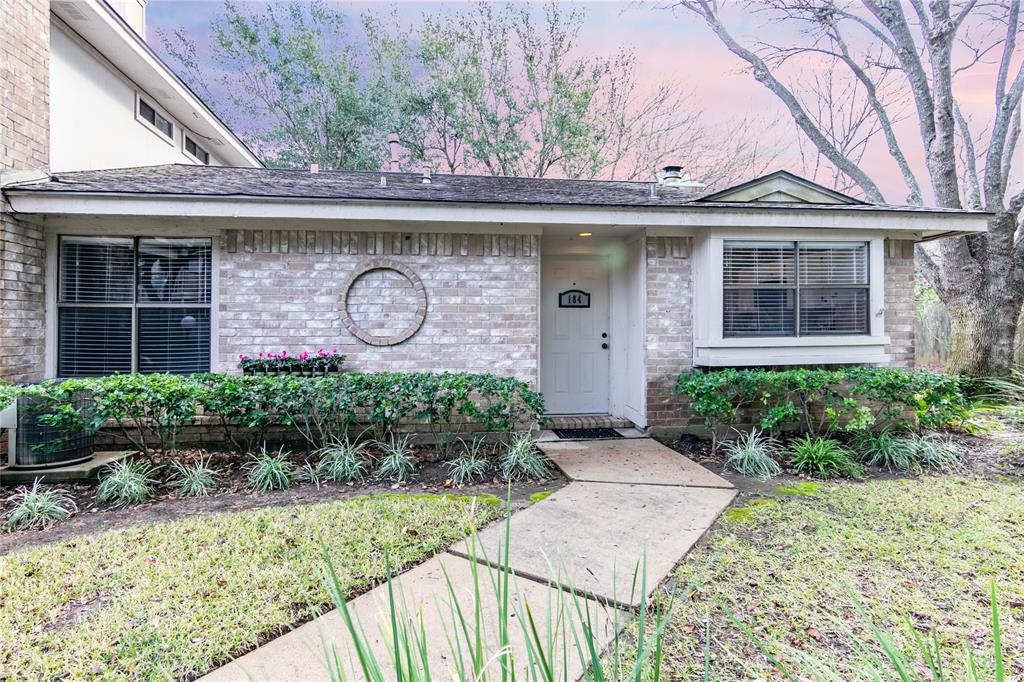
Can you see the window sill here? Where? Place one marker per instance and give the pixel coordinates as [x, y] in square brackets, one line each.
[817, 350]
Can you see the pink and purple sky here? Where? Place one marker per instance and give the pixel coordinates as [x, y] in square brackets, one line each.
[671, 45]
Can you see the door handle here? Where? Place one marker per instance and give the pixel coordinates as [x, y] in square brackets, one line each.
[604, 345]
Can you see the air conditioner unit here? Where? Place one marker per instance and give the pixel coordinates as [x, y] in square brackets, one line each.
[34, 444]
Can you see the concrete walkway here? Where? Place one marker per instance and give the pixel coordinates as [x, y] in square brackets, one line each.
[630, 503]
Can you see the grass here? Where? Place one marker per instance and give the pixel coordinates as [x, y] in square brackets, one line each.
[822, 458]
[521, 459]
[196, 479]
[176, 599]
[793, 571]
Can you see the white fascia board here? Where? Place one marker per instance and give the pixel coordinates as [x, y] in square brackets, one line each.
[128, 52]
[681, 221]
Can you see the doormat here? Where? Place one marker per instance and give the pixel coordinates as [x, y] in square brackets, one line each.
[586, 434]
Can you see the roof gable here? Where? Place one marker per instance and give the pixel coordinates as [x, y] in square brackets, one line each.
[780, 187]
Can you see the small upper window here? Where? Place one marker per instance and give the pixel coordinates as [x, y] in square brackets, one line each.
[153, 117]
[196, 152]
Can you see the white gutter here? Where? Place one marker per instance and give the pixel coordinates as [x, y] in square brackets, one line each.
[660, 221]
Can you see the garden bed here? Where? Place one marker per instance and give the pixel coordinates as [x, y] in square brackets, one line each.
[233, 494]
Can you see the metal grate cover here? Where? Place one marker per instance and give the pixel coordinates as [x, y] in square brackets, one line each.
[586, 434]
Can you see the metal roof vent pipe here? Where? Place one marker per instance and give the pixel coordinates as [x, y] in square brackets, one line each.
[395, 166]
[675, 176]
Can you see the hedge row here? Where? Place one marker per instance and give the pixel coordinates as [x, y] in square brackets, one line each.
[818, 400]
[151, 408]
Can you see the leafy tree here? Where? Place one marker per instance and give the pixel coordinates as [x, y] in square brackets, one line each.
[480, 89]
[294, 78]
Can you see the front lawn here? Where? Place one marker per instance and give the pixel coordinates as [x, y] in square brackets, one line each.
[176, 599]
[786, 564]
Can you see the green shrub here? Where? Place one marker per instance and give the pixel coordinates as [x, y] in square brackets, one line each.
[471, 465]
[127, 482]
[35, 508]
[267, 471]
[395, 461]
[522, 459]
[822, 457]
[884, 449]
[150, 409]
[817, 401]
[753, 454]
[342, 461]
[196, 479]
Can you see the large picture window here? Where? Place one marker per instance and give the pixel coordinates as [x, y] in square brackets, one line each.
[133, 304]
[795, 289]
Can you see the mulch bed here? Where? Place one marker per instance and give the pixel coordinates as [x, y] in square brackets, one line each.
[431, 477]
[1000, 453]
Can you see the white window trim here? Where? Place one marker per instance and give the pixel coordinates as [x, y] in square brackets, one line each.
[711, 348]
[53, 256]
[152, 128]
[184, 150]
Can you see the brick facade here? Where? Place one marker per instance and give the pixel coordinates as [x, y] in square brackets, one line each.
[669, 326]
[284, 289]
[24, 146]
[24, 85]
[899, 301]
[22, 300]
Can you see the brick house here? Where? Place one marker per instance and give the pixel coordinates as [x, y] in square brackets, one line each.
[597, 293]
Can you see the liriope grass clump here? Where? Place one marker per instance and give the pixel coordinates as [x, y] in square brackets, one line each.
[753, 454]
[822, 457]
[471, 465]
[127, 482]
[522, 459]
[36, 508]
[395, 461]
[196, 479]
[342, 461]
[269, 471]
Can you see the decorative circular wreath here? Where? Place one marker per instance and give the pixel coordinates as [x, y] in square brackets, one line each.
[421, 302]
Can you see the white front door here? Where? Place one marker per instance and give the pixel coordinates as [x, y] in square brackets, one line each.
[574, 334]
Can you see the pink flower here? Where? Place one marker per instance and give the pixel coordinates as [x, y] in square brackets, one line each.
[304, 356]
[284, 353]
[261, 355]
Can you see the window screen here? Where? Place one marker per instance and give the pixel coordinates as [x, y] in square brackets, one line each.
[795, 288]
[133, 304]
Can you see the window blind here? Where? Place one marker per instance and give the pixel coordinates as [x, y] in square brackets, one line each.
[175, 340]
[133, 304]
[795, 288]
[760, 289]
[96, 270]
[93, 342]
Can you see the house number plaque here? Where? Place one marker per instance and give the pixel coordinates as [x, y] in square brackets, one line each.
[574, 298]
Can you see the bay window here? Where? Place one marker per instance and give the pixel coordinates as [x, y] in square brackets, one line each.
[793, 288]
[133, 304]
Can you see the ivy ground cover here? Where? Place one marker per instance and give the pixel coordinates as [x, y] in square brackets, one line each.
[918, 554]
[172, 601]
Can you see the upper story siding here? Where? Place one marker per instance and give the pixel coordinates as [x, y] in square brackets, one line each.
[93, 121]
